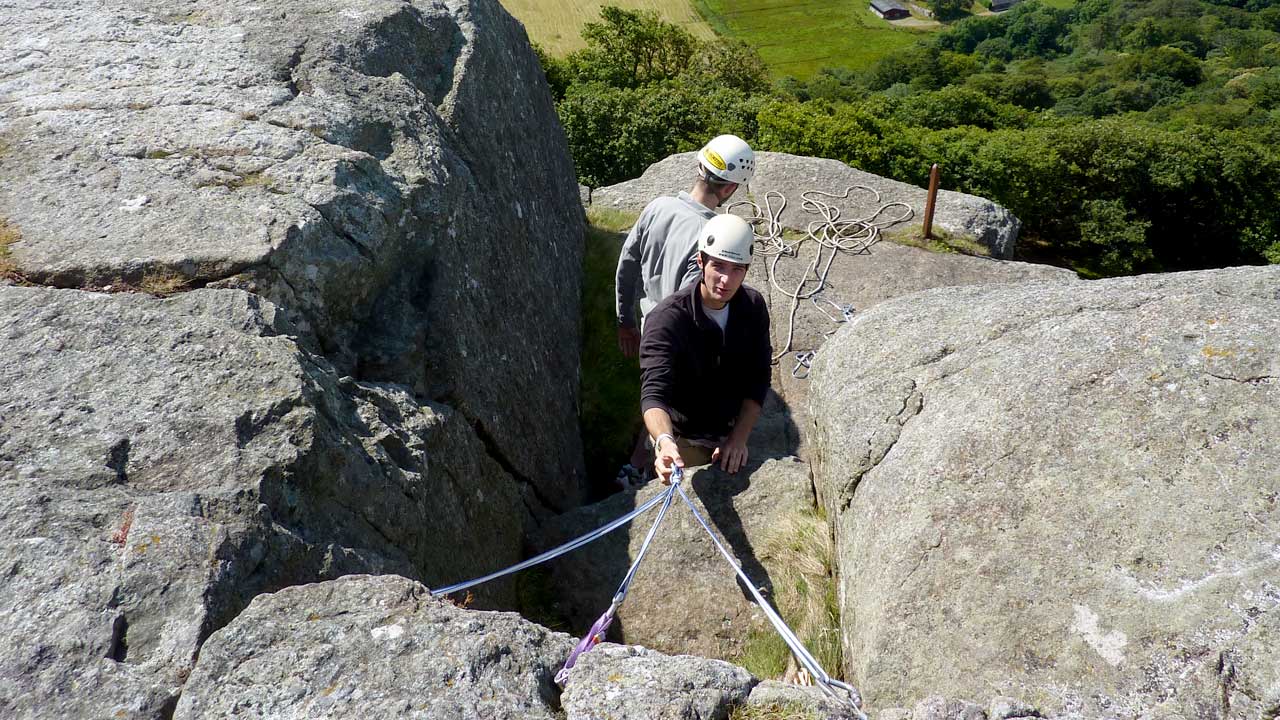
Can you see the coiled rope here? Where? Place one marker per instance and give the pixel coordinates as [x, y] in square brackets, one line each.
[831, 234]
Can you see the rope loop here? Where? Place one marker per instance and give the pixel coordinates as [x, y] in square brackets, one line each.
[830, 233]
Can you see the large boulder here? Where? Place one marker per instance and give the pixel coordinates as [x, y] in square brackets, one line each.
[375, 647]
[856, 282]
[163, 461]
[359, 164]
[685, 599]
[381, 648]
[965, 217]
[1060, 493]
[632, 683]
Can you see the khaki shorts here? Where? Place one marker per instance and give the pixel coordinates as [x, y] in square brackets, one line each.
[693, 454]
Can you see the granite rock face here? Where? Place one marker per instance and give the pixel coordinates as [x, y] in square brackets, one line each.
[968, 217]
[380, 647]
[351, 162]
[374, 647]
[366, 357]
[685, 599]
[632, 683]
[885, 270]
[1061, 493]
[163, 461]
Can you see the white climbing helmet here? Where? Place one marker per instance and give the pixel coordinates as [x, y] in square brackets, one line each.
[727, 237]
[729, 159]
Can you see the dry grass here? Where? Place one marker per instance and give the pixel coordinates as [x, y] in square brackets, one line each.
[557, 26]
[941, 242]
[8, 236]
[162, 283]
[799, 553]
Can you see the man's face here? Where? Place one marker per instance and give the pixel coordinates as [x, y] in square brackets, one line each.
[721, 278]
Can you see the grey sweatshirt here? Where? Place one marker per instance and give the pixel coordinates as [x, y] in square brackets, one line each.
[657, 257]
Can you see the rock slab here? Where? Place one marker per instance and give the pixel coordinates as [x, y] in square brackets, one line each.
[1061, 493]
[374, 647]
[356, 165]
[163, 461]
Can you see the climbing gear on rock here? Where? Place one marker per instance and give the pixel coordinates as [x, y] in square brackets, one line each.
[728, 158]
[552, 553]
[729, 238]
[829, 685]
[838, 691]
[596, 634]
[831, 234]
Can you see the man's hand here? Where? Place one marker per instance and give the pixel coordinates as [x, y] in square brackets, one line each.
[732, 453]
[667, 457]
[629, 340]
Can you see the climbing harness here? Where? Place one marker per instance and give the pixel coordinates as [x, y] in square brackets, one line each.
[831, 234]
[838, 691]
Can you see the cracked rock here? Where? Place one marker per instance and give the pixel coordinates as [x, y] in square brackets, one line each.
[163, 461]
[354, 167]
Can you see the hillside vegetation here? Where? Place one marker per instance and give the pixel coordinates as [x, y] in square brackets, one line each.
[1128, 136]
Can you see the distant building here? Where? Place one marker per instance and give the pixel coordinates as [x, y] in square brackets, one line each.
[1002, 5]
[892, 9]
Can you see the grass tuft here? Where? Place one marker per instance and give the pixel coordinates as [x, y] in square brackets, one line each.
[941, 242]
[8, 236]
[798, 550]
[162, 283]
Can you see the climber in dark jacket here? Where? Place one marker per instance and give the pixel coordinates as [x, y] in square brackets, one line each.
[705, 357]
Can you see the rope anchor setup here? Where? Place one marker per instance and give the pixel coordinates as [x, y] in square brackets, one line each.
[838, 691]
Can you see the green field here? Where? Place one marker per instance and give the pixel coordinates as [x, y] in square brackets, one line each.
[799, 37]
[556, 25]
[794, 37]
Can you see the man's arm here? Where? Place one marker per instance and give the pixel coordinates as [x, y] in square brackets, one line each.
[626, 280]
[667, 455]
[657, 385]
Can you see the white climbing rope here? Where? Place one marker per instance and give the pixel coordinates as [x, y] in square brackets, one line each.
[831, 234]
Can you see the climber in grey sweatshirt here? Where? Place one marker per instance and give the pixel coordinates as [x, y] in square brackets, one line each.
[657, 257]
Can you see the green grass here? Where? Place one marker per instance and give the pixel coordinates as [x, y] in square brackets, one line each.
[556, 25]
[801, 559]
[799, 37]
[610, 383]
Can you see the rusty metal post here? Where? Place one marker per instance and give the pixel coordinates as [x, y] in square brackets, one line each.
[928, 206]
